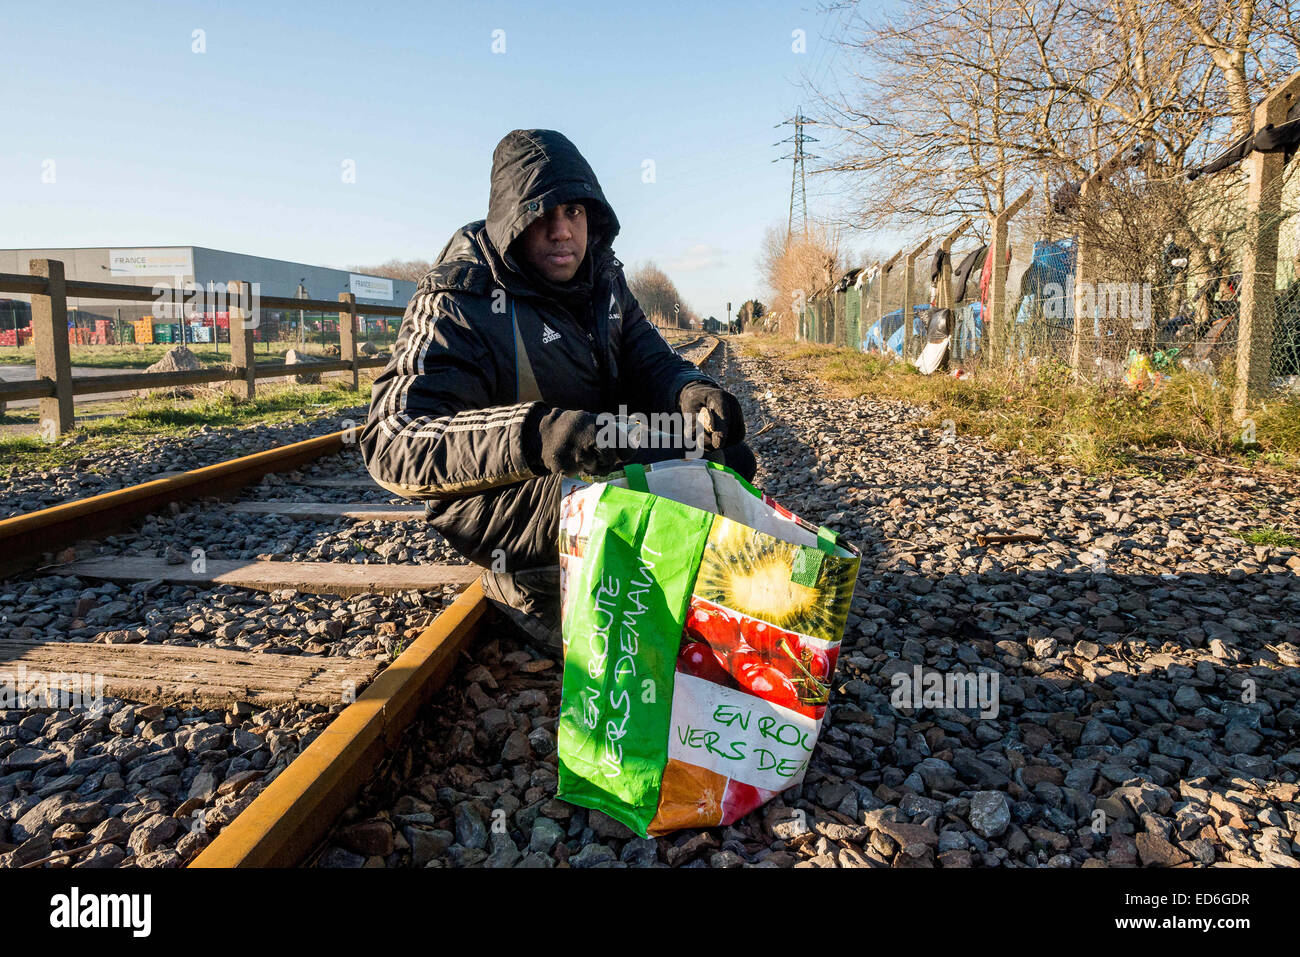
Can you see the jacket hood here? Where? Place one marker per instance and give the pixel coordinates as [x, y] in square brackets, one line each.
[534, 171]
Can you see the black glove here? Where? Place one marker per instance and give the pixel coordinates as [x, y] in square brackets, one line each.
[566, 442]
[724, 425]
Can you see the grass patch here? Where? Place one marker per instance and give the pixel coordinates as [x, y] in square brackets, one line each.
[1270, 535]
[151, 418]
[1044, 412]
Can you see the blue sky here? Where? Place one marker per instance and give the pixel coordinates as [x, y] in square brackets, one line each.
[242, 147]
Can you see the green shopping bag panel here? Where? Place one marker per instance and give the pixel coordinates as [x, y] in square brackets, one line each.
[622, 629]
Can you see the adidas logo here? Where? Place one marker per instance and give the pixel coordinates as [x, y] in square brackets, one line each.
[548, 334]
[615, 315]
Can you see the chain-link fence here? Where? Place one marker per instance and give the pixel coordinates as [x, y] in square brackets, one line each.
[886, 303]
[967, 265]
[1129, 279]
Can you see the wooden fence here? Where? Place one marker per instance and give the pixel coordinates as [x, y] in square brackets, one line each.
[55, 385]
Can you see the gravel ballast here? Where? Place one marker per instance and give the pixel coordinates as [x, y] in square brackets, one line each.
[1145, 661]
[1141, 659]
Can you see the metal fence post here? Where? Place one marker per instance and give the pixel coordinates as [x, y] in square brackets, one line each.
[50, 337]
[348, 332]
[1257, 319]
[242, 324]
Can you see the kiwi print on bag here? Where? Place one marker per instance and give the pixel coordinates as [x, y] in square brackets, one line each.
[749, 572]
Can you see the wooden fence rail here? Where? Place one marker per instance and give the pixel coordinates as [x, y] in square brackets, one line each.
[55, 385]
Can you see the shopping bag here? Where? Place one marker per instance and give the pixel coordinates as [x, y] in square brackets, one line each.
[702, 623]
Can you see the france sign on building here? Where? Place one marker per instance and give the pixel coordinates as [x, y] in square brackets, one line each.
[151, 262]
[370, 287]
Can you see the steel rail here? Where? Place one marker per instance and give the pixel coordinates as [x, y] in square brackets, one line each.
[285, 823]
[25, 538]
[288, 820]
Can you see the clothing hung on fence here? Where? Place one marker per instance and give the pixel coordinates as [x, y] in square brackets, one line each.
[936, 270]
[986, 277]
[968, 330]
[936, 265]
[938, 340]
[962, 271]
[1284, 137]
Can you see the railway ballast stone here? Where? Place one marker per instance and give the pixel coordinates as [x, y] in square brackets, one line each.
[1157, 594]
[88, 757]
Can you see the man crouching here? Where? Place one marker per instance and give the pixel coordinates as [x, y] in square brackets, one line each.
[521, 335]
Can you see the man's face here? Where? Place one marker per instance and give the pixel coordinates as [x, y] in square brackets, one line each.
[555, 244]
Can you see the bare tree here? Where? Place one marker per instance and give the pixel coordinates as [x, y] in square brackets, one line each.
[796, 268]
[952, 109]
[937, 124]
[411, 270]
[657, 295]
[750, 313]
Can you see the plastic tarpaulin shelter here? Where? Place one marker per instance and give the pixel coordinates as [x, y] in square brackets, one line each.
[893, 326]
[1045, 312]
[872, 340]
[1047, 287]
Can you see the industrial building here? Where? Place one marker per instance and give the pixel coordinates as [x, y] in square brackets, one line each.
[191, 268]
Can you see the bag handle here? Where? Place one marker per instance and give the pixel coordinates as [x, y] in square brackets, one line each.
[635, 475]
[808, 562]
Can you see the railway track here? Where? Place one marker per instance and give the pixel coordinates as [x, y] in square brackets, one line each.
[260, 655]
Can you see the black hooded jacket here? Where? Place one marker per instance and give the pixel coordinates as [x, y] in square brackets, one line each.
[485, 346]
